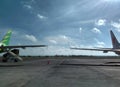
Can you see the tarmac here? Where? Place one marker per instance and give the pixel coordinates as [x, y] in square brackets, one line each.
[62, 72]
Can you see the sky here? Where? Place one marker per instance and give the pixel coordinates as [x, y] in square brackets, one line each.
[60, 24]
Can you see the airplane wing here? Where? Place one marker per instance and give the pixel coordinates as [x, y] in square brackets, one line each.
[98, 49]
[21, 46]
[17, 57]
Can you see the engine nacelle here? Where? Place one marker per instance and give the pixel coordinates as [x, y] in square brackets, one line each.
[15, 51]
[118, 53]
[105, 51]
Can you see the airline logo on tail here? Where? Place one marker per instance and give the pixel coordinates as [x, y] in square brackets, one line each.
[115, 42]
[6, 39]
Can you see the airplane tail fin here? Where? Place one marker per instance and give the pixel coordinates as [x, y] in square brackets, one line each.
[6, 38]
[115, 42]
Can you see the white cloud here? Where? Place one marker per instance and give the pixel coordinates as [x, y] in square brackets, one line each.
[100, 22]
[60, 39]
[80, 29]
[96, 30]
[53, 41]
[60, 50]
[51, 50]
[57, 50]
[99, 43]
[28, 6]
[116, 26]
[31, 38]
[41, 16]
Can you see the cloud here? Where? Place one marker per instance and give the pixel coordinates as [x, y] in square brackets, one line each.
[51, 50]
[116, 26]
[60, 39]
[100, 22]
[99, 43]
[53, 41]
[41, 16]
[20, 37]
[96, 30]
[56, 50]
[80, 29]
[28, 6]
[31, 38]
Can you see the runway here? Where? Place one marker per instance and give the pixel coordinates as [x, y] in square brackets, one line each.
[62, 72]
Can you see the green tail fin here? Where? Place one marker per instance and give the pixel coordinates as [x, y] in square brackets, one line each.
[6, 38]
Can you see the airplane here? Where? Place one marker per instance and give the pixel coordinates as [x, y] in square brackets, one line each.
[11, 53]
[115, 48]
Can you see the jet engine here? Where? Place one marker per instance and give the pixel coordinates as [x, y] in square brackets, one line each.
[117, 52]
[105, 51]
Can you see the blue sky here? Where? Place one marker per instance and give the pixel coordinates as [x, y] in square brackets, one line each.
[60, 24]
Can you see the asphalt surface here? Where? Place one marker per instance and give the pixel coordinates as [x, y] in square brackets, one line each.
[65, 72]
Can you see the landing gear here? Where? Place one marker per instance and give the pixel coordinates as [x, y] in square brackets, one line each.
[8, 57]
[15, 60]
[5, 57]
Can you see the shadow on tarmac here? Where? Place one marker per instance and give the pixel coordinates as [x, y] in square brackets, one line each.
[10, 64]
[106, 64]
